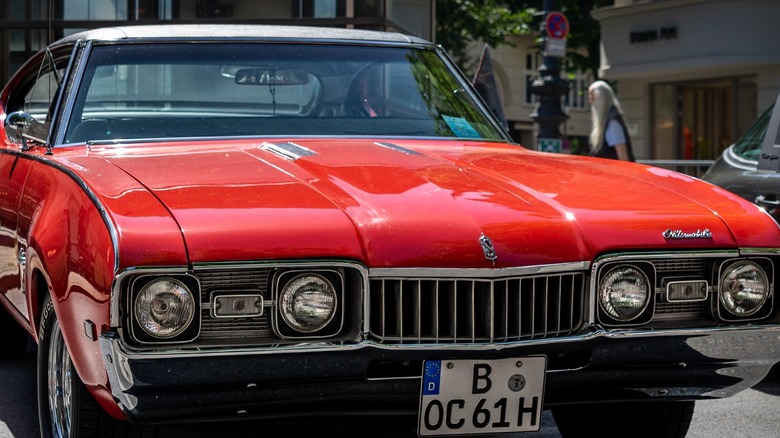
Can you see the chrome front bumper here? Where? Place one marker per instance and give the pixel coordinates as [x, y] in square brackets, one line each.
[369, 378]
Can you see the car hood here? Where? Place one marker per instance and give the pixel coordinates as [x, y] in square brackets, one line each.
[426, 203]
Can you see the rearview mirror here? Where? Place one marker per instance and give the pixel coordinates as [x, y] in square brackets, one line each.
[264, 76]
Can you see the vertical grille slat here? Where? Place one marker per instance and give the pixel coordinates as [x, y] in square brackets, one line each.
[441, 310]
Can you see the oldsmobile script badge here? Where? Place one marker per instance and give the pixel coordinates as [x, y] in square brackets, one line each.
[679, 234]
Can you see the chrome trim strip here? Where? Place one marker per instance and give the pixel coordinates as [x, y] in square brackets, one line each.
[665, 255]
[115, 346]
[79, 56]
[480, 273]
[396, 148]
[288, 150]
[414, 43]
[99, 145]
[759, 251]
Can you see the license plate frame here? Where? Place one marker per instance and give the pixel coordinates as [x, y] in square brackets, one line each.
[478, 396]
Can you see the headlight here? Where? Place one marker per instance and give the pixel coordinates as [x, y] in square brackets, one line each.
[307, 303]
[164, 308]
[624, 293]
[744, 288]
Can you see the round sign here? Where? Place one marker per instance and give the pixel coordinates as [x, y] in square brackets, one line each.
[557, 25]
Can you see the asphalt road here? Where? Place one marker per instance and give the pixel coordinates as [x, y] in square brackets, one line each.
[752, 414]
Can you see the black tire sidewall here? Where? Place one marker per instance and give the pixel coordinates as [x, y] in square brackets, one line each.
[48, 317]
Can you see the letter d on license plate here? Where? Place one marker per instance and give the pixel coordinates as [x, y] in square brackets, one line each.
[466, 397]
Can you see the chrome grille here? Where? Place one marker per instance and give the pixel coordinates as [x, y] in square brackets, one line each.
[671, 267]
[668, 310]
[436, 310]
[680, 265]
[228, 280]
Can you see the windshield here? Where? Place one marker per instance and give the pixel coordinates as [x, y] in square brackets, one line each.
[160, 91]
[749, 145]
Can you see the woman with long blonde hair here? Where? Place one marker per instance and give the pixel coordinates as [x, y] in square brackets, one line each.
[609, 136]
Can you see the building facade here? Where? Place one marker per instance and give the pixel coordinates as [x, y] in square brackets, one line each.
[26, 26]
[691, 75]
[516, 66]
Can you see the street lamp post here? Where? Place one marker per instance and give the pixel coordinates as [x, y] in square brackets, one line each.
[549, 87]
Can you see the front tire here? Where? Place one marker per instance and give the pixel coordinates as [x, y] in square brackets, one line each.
[639, 419]
[65, 406]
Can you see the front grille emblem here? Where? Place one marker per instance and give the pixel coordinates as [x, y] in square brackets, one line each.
[487, 248]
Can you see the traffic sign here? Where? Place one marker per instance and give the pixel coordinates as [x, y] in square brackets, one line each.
[557, 25]
[550, 144]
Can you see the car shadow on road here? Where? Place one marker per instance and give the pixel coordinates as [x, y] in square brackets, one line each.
[19, 405]
[771, 383]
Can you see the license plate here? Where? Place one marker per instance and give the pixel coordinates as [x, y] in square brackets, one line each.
[466, 397]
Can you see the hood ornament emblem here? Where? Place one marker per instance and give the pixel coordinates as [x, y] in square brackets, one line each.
[671, 234]
[488, 249]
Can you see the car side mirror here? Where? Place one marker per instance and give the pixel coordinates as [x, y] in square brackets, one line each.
[17, 124]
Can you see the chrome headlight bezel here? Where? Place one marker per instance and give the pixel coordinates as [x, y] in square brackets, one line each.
[330, 326]
[188, 331]
[643, 274]
[725, 304]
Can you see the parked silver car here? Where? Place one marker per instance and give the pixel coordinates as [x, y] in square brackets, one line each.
[751, 166]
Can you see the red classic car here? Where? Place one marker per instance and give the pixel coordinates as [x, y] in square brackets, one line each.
[224, 222]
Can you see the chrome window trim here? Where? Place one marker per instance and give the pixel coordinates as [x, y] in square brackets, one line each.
[79, 57]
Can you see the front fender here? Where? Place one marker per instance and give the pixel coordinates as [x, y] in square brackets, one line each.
[70, 256]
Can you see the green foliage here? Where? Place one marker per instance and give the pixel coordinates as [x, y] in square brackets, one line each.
[460, 22]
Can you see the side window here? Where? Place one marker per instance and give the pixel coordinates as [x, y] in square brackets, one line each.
[749, 145]
[36, 94]
[39, 100]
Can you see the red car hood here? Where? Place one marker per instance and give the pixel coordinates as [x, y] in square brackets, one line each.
[427, 203]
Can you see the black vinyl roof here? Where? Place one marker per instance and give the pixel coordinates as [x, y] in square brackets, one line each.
[241, 32]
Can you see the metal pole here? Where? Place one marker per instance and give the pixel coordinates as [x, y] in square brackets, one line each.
[549, 88]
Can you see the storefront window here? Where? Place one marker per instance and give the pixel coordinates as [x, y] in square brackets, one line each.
[698, 120]
[94, 10]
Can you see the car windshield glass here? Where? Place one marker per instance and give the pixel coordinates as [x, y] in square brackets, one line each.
[749, 145]
[159, 91]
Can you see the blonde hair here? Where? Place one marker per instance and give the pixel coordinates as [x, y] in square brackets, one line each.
[603, 100]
